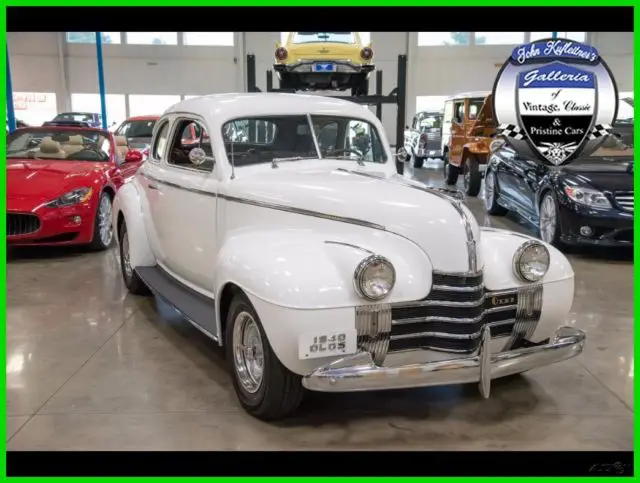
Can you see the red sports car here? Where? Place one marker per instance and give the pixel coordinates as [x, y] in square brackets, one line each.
[60, 184]
[138, 131]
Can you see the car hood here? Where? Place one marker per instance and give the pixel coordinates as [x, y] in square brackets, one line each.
[603, 174]
[438, 224]
[36, 181]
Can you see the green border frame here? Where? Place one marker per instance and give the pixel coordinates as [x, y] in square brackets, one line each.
[273, 3]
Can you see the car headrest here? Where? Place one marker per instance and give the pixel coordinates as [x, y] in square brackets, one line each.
[75, 140]
[121, 141]
[61, 138]
[49, 146]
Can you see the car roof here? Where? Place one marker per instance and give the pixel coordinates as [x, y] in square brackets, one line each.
[471, 94]
[143, 118]
[224, 107]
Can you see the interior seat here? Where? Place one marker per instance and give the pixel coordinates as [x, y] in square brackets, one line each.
[50, 149]
[122, 146]
[73, 145]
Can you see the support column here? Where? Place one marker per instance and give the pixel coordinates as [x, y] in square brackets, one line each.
[103, 96]
[11, 114]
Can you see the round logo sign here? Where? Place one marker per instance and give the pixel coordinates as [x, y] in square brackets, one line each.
[555, 99]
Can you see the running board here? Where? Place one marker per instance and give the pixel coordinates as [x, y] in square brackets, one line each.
[196, 308]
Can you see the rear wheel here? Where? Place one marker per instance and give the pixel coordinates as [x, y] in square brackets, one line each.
[472, 176]
[418, 162]
[265, 388]
[360, 86]
[451, 172]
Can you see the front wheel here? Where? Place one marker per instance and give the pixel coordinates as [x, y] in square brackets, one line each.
[491, 195]
[132, 281]
[418, 162]
[548, 220]
[102, 227]
[450, 172]
[265, 388]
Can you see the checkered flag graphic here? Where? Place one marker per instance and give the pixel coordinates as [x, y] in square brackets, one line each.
[510, 130]
[599, 130]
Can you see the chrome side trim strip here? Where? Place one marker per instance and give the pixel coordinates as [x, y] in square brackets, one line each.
[334, 242]
[272, 206]
[437, 318]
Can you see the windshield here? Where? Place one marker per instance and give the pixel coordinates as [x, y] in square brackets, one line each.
[270, 139]
[625, 110]
[335, 37]
[74, 116]
[68, 144]
[137, 129]
[614, 147]
[431, 122]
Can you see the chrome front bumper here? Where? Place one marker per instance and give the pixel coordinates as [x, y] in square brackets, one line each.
[359, 372]
[306, 67]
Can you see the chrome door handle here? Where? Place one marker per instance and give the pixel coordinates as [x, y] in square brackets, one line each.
[153, 186]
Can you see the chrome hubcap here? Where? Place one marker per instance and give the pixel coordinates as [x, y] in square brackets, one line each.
[488, 191]
[126, 261]
[547, 219]
[104, 221]
[402, 154]
[467, 176]
[248, 352]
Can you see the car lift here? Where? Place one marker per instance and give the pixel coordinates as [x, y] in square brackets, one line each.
[396, 96]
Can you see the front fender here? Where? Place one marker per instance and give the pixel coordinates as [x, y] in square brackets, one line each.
[128, 204]
[299, 269]
[499, 247]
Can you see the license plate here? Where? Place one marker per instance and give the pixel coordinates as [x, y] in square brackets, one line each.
[327, 344]
[324, 67]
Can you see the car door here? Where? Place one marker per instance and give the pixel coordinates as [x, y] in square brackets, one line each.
[447, 119]
[410, 134]
[522, 177]
[186, 218]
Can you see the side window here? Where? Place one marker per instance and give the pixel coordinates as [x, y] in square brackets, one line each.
[327, 136]
[474, 108]
[458, 112]
[448, 112]
[160, 143]
[364, 140]
[190, 134]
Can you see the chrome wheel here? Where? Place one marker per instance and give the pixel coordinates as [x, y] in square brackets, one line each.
[126, 261]
[248, 352]
[104, 221]
[548, 219]
[488, 191]
[466, 176]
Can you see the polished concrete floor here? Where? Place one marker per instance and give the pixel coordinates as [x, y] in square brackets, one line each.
[92, 368]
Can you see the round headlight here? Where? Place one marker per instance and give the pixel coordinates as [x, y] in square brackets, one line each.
[374, 277]
[531, 261]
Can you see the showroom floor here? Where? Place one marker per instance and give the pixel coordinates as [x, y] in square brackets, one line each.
[91, 368]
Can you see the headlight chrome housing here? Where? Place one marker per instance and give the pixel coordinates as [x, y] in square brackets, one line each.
[374, 278]
[531, 261]
[73, 197]
[588, 197]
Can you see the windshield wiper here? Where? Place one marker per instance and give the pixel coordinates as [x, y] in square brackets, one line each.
[275, 161]
[358, 160]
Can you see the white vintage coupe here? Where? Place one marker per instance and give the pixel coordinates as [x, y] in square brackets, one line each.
[298, 247]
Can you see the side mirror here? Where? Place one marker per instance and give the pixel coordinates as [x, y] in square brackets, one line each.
[197, 156]
[133, 156]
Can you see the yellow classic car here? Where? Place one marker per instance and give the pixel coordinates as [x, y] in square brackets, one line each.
[324, 61]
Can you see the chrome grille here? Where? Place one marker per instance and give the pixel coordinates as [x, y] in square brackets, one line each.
[451, 318]
[22, 224]
[624, 199]
[373, 324]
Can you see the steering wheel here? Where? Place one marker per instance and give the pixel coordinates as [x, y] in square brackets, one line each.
[344, 151]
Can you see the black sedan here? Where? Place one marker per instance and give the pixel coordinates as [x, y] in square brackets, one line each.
[588, 202]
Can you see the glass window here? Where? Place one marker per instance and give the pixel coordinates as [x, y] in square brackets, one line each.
[59, 143]
[577, 36]
[317, 37]
[90, 37]
[499, 38]
[116, 106]
[152, 38]
[161, 141]
[625, 109]
[149, 105]
[190, 134]
[475, 105]
[34, 108]
[208, 38]
[428, 39]
[142, 128]
[458, 112]
[280, 138]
